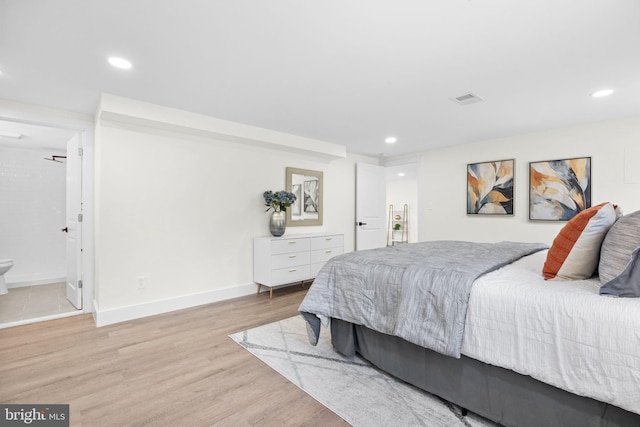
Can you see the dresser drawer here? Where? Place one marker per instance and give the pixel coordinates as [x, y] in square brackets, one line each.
[324, 242]
[323, 255]
[279, 261]
[290, 260]
[291, 274]
[286, 246]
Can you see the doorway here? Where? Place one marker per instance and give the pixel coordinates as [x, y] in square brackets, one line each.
[402, 190]
[378, 187]
[37, 184]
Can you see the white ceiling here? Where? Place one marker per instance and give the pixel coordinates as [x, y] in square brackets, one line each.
[349, 72]
[35, 136]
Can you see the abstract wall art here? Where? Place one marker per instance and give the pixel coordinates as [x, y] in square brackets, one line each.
[559, 189]
[296, 207]
[490, 187]
[311, 196]
[307, 186]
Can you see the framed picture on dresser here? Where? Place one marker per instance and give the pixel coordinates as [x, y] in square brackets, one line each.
[307, 186]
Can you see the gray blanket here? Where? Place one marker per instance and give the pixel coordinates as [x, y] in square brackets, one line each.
[417, 291]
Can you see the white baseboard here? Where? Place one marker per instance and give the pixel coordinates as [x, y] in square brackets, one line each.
[137, 311]
[36, 282]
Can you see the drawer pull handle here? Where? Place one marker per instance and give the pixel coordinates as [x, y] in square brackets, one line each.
[291, 242]
[291, 271]
[327, 252]
[292, 256]
[329, 238]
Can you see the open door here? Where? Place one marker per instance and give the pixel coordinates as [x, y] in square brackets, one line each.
[371, 194]
[73, 227]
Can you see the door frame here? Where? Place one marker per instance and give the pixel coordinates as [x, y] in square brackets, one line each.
[84, 125]
[412, 172]
[74, 220]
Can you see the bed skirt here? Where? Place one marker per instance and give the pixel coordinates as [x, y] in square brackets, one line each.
[498, 394]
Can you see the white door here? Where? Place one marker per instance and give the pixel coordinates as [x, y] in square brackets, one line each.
[371, 200]
[73, 227]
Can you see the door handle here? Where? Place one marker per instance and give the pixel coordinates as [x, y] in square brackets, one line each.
[362, 223]
[66, 229]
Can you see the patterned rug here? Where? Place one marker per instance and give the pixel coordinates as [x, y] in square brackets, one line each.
[351, 387]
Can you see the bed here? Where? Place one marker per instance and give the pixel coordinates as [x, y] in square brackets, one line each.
[531, 352]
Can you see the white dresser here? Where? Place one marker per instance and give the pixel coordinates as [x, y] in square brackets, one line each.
[297, 258]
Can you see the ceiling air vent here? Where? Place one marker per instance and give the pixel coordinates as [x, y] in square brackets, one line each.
[468, 98]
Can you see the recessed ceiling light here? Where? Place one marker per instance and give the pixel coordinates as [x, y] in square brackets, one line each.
[400, 174]
[121, 63]
[601, 93]
[391, 140]
[6, 134]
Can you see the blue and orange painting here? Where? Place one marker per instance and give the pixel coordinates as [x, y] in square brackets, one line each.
[559, 189]
[490, 187]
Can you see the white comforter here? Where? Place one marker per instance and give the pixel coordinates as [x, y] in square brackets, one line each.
[561, 333]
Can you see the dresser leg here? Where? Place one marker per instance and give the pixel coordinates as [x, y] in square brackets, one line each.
[271, 292]
[259, 286]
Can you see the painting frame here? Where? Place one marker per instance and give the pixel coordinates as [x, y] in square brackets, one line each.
[307, 185]
[491, 188]
[559, 189]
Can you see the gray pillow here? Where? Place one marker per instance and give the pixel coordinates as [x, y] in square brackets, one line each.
[627, 283]
[618, 245]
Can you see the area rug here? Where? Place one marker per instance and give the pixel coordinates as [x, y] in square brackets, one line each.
[350, 387]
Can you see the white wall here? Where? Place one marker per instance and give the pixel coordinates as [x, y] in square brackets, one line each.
[32, 214]
[610, 145]
[181, 210]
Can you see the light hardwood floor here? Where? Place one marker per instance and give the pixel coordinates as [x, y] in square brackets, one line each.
[174, 369]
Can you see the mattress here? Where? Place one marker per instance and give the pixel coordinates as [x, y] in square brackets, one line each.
[563, 333]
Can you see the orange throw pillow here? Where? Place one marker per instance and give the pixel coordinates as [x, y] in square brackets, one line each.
[575, 251]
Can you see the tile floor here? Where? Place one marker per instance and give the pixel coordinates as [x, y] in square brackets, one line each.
[31, 302]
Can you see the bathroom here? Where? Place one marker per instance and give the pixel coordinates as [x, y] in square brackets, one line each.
[33, 206]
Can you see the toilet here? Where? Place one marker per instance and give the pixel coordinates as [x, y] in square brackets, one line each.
[5, 265]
